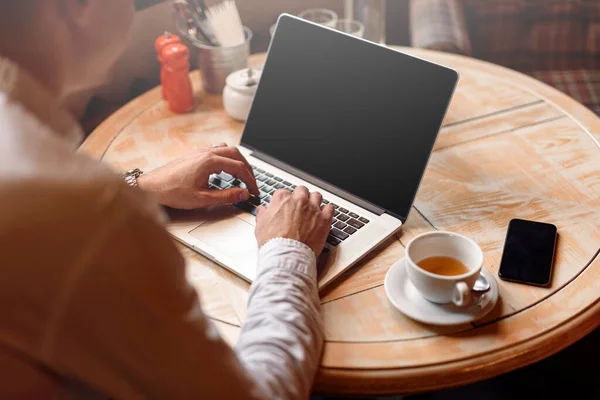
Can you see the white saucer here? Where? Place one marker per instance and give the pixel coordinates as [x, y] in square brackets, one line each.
[407, 299]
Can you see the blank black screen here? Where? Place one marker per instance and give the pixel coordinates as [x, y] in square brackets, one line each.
[528, 252]
[356, 115]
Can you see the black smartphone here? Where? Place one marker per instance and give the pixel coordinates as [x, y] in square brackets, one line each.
[528, 252]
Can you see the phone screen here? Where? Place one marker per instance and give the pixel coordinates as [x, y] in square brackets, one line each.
[528, 252]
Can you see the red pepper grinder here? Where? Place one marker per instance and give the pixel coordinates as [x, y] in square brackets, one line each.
[160, 44]
[177, 84]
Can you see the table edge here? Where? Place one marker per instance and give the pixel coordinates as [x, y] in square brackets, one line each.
[458, 373]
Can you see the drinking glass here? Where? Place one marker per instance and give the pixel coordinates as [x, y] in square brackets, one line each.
[351, 27]
[321, 16]
[371, 13]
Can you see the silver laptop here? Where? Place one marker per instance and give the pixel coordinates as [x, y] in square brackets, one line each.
[353, 120]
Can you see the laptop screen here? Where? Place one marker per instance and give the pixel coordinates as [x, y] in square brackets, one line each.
[356, 115]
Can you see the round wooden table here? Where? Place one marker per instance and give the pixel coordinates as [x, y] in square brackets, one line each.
[511, 147]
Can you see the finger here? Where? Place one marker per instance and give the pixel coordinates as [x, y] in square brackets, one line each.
[216, 146]
[328, 212]
[233, 153]
[315, 199]
[235, 168]
[259, 211]
[301, 193]
[218, 197]
[280, 195]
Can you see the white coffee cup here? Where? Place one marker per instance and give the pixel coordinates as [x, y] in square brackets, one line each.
[443, 288]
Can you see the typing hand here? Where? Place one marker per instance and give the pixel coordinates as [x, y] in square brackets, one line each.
[295, 216]
[183, 183]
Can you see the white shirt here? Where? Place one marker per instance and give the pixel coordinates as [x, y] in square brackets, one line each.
[93, 291]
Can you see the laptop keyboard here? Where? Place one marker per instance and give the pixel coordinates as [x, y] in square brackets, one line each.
[345, 223]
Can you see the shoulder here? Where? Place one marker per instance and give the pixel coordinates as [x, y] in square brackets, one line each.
[41, 173]
[15, 118]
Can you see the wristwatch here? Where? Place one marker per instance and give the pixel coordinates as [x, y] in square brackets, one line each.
[130, 177]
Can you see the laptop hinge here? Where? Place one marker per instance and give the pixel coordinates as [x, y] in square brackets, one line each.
[317, 182]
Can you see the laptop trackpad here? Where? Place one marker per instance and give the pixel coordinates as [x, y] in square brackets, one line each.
[231, 236]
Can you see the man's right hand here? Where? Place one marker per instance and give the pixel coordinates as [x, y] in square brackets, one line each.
[295, 216]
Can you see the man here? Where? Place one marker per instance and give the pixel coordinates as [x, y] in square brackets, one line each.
[93, 292]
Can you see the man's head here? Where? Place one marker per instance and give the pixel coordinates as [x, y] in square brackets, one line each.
[76, 41]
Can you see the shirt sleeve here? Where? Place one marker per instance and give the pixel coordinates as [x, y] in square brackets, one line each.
[131, 326]
[282, 338]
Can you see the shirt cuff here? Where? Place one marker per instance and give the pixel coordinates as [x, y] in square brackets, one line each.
[289, 254]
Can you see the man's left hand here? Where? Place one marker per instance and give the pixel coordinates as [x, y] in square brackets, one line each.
[183, 183]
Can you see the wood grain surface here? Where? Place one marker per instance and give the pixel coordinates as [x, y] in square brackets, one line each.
[511, 147]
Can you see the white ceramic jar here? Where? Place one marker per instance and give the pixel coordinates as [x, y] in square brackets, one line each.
[239, 92]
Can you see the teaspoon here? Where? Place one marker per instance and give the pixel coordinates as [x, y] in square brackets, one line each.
[481, 284]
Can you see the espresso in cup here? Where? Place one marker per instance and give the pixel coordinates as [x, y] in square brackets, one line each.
[444, 266]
